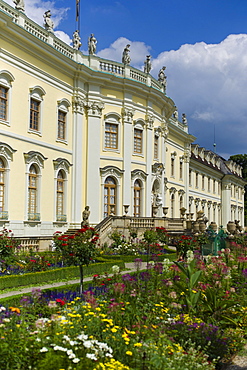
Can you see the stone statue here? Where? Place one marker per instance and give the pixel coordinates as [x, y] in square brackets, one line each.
[76, 40]
[162, 77]
[19, 5]
[158, 200]
[175, 113]
[85, 217]
[147, 64]
[48, 23]
[126, 58]
[92, 44]
[184, 119]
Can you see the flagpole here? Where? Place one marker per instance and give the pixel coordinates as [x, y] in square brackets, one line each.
[78, 14]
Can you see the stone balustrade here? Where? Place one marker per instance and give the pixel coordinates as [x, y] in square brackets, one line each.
[92, 61]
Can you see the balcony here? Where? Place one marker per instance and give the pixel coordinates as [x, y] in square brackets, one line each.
[61, 218]
[33, 216]
[4, 215]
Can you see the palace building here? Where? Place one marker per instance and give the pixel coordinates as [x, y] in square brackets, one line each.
[78, 130]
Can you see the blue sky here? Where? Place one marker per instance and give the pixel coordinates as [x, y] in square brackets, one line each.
[203, 44]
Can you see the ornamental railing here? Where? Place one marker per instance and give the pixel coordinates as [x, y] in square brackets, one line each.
[91, 61]
[33, 216]
[4, 215]
[61, 218]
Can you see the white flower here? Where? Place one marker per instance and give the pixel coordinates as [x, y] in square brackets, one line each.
[75, 360]
[91, 356]
[2, 309]
[44, 349]
[82, 337]
[115, 269]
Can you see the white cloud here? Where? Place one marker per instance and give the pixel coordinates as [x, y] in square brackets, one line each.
[35, 10]
[138, 51]
[63, 36]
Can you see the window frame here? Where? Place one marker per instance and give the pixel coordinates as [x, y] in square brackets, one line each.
[6, 79]
[138, 127]
[112, 119]
[36, 95]
[63, 107]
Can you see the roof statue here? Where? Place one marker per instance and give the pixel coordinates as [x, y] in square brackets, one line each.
[48, 23]
[126, 58]
[147, 64]
[184, 119]
[162, 78]
[175, 113]
[19, 5]
[76, 40]
[92, 44]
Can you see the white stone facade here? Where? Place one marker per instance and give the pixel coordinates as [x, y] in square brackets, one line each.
[77, 130]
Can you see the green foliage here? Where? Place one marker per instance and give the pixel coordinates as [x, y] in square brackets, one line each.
[188, 286]
[64, 273]
[7, 247]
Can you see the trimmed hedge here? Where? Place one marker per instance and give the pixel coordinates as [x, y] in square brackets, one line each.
[63, 273]
[171, 256]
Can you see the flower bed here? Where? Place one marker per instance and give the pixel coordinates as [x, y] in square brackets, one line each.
[189, 314]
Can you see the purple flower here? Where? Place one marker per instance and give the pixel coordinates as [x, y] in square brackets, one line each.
[244, 273]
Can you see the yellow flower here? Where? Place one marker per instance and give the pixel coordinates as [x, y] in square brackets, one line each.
[138, 345]
[129, 353]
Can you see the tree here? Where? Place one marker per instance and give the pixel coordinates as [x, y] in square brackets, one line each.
[78, 249]
[241, 159]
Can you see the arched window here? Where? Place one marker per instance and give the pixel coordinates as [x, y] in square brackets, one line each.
[33, 194]
[60, 197]
[137, 198]
[181, 201]
[2, 184]
[172, 205]
[6, 79]
[110, 196]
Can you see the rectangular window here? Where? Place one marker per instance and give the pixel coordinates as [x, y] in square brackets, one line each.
[34, 114]
[137, 140]
[190, 174]
[3, 102]
[203, 182]
[197, 180]
[156, 147]
[61, 125]
[209, 184]
[111, 136]
[172, 166]
[181, 171]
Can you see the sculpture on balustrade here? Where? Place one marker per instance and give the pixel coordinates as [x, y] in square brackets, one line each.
[162, 77]
[147, 64]
[175, 113]
[184, 119]
[126, 58]
[76, 40]
[158, 200]
[85, 217]
[48, 23]
[92, 44]
[19, 5]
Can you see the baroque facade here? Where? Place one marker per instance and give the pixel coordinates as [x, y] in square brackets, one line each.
[78, 130]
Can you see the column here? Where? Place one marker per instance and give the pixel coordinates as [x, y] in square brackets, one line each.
[226, 203]
[186, 175]
[94, 135]
[127, 115]
[149, 160]
[78, 168]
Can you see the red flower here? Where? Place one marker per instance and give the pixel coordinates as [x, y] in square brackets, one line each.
[60, 301]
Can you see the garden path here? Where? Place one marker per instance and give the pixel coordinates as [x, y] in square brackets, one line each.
[130, 266]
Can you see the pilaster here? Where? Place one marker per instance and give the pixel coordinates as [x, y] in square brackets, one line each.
[127, 119]
[94, 130]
